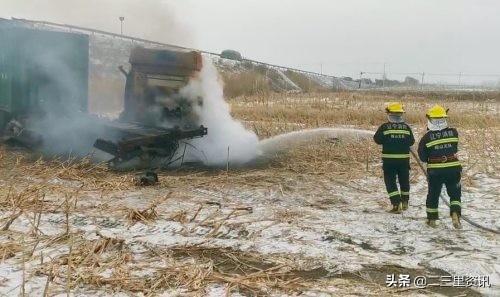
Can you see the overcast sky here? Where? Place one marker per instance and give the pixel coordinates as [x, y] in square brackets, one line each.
[345, 37]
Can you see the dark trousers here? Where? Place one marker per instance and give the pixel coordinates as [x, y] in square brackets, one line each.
[397, 171]
[438, 178]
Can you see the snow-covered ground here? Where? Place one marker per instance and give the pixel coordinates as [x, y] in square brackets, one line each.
[310, 221]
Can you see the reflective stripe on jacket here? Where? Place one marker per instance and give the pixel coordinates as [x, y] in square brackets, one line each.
[396, 140]
[439, 149]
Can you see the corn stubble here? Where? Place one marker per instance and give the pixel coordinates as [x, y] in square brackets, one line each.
[34, 187]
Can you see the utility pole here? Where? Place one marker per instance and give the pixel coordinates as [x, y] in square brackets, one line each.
[383, 77]
[422, 82]
[121, 24]
[459, 79]
[360, 79]
[321, 68]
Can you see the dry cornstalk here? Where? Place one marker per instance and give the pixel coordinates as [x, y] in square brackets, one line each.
[180, 216]
[34, 248]
[68, 269]
[147, 215]
[23, 286]
[67, 210]
[11, 220]
[9, 250]
[50, 278]
[196, 213]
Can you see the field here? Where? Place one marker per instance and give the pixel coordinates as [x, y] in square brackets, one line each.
[311, 220]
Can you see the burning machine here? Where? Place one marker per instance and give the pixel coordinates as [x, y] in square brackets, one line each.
[156, 117]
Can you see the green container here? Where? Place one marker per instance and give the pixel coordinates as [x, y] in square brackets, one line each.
[41, 71]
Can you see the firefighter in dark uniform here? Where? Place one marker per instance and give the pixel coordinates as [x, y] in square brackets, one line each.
[438, 148]
[396, 138]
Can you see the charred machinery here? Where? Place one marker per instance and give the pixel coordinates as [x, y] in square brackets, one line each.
[156, 117]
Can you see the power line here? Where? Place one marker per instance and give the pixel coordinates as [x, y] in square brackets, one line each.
[280, 67]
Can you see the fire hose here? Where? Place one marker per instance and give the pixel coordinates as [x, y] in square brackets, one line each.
[441, 196]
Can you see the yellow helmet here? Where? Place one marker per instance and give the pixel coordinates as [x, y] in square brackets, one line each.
[395, 107]
[437, 111]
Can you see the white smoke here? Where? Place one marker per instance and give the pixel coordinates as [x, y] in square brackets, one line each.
[58, 115]
[227, 139]
[225, 132]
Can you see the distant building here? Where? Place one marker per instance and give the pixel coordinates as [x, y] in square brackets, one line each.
[387, 83]
[410, 81]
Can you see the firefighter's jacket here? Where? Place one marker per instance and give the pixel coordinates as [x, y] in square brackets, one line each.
[396, 140]
[439, 150]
